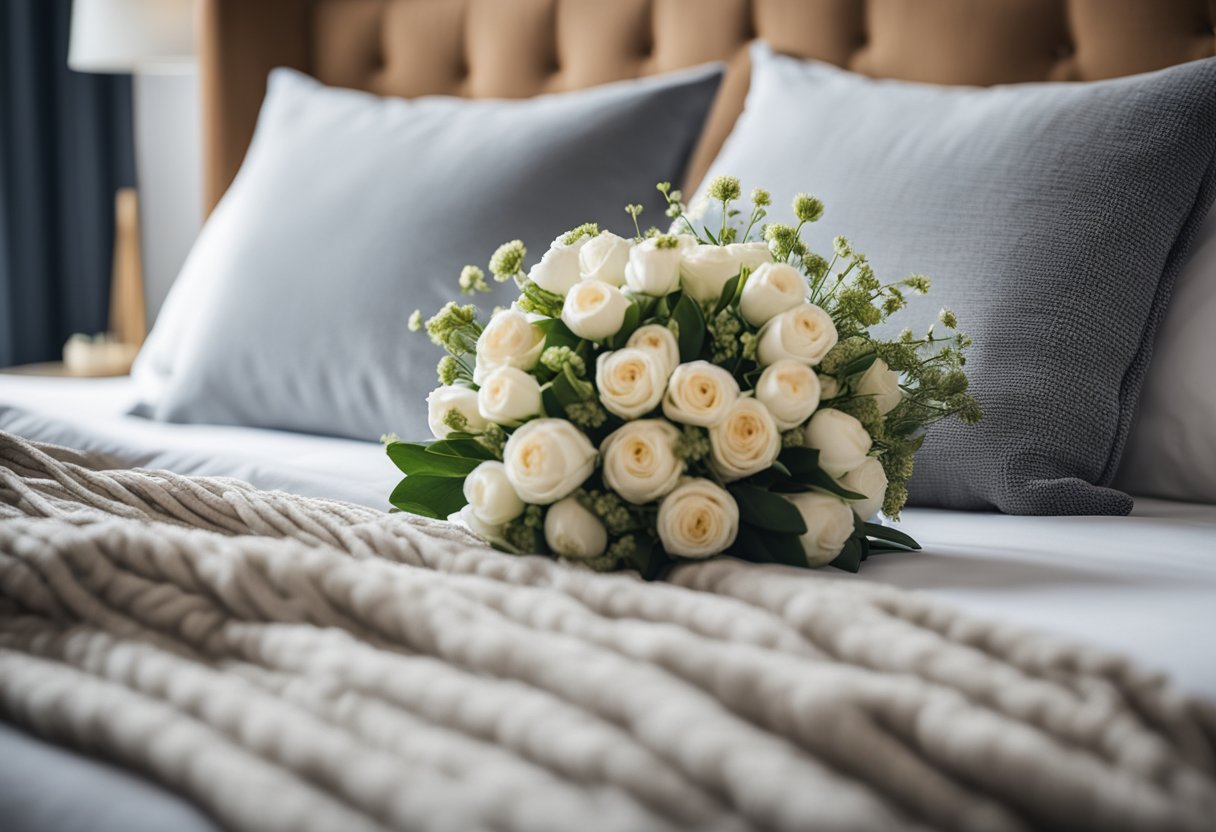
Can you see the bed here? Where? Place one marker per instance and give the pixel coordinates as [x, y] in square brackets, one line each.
[1140, 585]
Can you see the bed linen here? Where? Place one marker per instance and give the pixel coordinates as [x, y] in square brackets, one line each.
[380, 671]
[1138, 584]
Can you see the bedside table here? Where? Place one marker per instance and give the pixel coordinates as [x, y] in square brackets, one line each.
[50, 368]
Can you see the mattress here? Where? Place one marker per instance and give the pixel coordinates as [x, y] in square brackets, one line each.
[1141, 585]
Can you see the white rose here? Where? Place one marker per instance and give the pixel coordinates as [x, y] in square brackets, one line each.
[841, 440]
[509, 340]
[752, 255]
[869, 479]
[790, 391]
[443, 400]
[509, 396]
[630, 381]
[704, 271]
[660, 341]
[804, 333]
[653, 269]
[829, 523]
[491, 498]
[486, 531]
[573, 532]
[558, 269]
[881, 382]
[640, 462]
[770, 290]
[699, 393]
[744, 443]
[604, 258]
[698, 519]
[546, 459]
[594, 310]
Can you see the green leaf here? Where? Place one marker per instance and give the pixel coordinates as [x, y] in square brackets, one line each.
[803, 464]
[428, 496]
[413, 458]
[633, 317]
[467, 448]
[566, 391]
[551, 403]
[728, 294]
[858, 365]
[649, 559]
[687, 315]
[849, 558]
[760, 546]
[890, 535]
[768, 511]
[557, 334]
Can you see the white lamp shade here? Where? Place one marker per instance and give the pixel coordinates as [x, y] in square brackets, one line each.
[131, 35]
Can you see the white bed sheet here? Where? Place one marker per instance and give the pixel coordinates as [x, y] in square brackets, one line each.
[1143, 585]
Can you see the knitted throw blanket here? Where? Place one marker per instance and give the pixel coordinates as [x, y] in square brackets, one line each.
[296, 664]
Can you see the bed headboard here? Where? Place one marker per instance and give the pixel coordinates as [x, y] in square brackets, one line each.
[519, 48]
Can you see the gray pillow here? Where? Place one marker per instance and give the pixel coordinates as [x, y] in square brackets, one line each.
[352, 210]
[1053, 218]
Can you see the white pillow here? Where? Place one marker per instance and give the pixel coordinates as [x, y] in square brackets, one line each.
[1171, 451]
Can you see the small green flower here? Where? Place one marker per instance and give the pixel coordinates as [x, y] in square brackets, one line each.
[473, 279]
[587, 229]
[793, 438]
[558, 358]
[814, 265]
[623, 548]
[454, 328]
[666, 241]
[415, 321]
[389, 438]
[724, 188]
[840, 245]
[455, 420]
[508, 260]
[693, 444]
[918, 283]
[761, 198]
[749, 342]
[782, 240]
[588, 414]
[448, 370]
[616, 515]
[948, 318]
[493, 439]
[807, 208]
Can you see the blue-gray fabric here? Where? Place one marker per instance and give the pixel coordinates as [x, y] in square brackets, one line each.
[351, 211]
[1053, 218]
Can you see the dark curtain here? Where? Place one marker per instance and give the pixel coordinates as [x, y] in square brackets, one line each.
[65, 148]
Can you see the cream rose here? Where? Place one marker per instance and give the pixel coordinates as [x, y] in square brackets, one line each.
[604, 258]
[509, 340]
[558, 269]
[630, 381]
[509, 397]
[841, 440]
[752, 255]
[790, 391]
[443, 400]
[745, 442]
[594, 310]
[699, 393]
[546, 459]
[491, 497]
[486, 531]
[660, 341]
[573, 532]
[770, 290]
[869, 479]
[881, 382]
[640, 462]
[829, 523]
[654, 267]
[804, 333]
[704, 271]
[698, 519]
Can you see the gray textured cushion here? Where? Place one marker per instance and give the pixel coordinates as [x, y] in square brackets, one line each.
[351, 210]
[1052, 218]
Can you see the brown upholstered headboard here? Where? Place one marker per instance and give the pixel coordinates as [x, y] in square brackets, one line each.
[519, 48]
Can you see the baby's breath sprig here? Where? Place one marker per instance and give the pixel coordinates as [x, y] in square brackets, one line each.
[676, 209]
[508, 261]
[635, 211]
[724, 189]
[472, 280]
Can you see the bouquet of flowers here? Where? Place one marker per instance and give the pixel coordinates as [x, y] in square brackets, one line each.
[683, 395]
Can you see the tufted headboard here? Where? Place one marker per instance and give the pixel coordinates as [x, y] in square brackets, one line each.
[519, 48]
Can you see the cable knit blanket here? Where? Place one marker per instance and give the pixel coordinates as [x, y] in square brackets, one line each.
[297, 664]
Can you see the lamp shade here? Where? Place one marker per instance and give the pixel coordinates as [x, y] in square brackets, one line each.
[130, 35]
